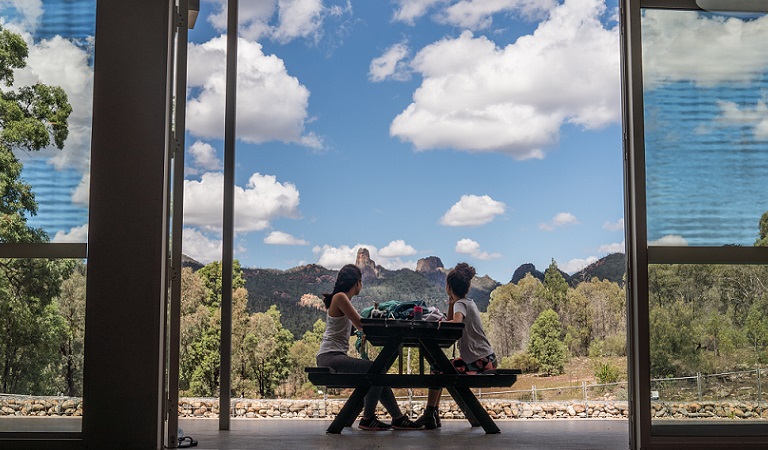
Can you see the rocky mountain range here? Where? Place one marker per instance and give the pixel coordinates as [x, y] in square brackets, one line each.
[297, 292]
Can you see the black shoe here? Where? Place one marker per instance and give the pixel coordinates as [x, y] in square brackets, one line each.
[373, 425]
[427, 420]
[405, 423]
[437, 419]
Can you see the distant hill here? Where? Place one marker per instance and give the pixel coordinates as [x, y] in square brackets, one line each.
[297, 292]
[611, 268]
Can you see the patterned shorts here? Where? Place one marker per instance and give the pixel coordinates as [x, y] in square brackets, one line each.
[473, 368]
[479, 366]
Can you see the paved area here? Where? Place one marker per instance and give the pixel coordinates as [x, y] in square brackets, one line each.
[455, 434]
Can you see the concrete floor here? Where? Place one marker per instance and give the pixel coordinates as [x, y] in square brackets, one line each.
[310, 434]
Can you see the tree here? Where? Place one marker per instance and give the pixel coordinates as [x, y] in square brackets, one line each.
[762, 240]
[31, 118]
[545, 344]
[555, 287]
[303, 354]
[71, 308]
[271, 343]
[511, 312]
[211, 275]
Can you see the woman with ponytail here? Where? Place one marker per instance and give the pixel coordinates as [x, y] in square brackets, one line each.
[339, 320]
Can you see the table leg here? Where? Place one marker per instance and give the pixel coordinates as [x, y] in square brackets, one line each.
[469, 404]
[473, 409]
[349, 412]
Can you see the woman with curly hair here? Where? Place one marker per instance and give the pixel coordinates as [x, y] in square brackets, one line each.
[475, 352]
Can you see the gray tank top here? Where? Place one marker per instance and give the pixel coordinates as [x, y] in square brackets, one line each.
[336, 335]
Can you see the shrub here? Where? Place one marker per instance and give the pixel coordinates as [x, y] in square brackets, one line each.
[606, 373]
[522, 360]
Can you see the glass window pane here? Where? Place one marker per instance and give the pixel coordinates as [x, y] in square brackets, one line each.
[42, 303]
[45, 177]
[59, 37]
[709, 343]
[705, 78]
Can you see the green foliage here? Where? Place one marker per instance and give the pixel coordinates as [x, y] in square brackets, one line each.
[545, 344]
[511, 312]
[272, 349]
[611, 346]
[211, 275]
[555, 287]
[762, 239]
[522, 360]
[71, 309]
[607, 373]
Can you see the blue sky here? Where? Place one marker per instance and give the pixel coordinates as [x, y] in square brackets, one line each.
[486, 132]
[473, 130]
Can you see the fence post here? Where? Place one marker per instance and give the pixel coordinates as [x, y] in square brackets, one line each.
[759, 391]
[533, 392]
[698, 383]
[480, 393]
[584, 393]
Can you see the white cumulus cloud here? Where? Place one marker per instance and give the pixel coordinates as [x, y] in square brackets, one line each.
[59, 62]
[757, 117]
[261, 201]
[614, 226]
[472, 248]
[473, 210]
[577, 264]
[77, 234]
[271, 104]
[477, 97]
[672, 50]
[282, 238]
[27, 17]
[560, 220]
[333, 257]
[671, 240]
[616, 247]
[203, 159]
[477, 14]
[279, 20]
[397, 248]
[200, 247]
[391, 65]
[409, 10]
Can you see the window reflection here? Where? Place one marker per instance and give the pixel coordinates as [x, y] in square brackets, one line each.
[709, 341]
[706, 128]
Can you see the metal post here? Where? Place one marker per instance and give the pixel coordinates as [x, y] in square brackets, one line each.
[698, 384]
[759, 391]
[533, 392]
[228, 219]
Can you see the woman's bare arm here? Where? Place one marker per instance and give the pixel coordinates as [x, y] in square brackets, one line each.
[341, 305]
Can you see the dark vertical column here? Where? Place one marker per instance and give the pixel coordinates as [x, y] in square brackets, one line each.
[123, 372]
[228, 223]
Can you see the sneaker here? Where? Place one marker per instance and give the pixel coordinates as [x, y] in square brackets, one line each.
[405, 423]
[373, 425]
[428, 420]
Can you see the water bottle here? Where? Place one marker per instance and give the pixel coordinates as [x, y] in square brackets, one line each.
[376, 313]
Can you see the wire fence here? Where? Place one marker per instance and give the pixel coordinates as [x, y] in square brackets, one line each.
[746, 385]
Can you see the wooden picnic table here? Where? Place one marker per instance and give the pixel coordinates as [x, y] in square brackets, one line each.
[430, 338]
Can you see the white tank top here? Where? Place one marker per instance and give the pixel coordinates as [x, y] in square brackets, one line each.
[336, 335]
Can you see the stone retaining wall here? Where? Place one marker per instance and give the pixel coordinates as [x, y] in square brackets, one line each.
[498, 409]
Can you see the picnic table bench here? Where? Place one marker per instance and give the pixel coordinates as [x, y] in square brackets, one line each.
[430, 338]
